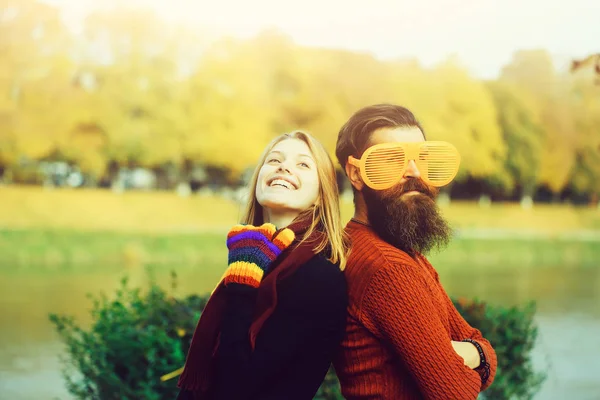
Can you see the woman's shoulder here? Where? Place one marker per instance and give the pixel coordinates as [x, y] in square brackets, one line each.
[320, 266]
[319, 285]
[321, 276]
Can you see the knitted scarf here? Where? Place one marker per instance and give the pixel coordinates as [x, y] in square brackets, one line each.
[197, 372]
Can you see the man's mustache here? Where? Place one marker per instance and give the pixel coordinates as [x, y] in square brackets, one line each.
[417, 185]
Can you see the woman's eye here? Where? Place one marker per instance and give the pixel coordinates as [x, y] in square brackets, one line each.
[304, 165]
[273, 160]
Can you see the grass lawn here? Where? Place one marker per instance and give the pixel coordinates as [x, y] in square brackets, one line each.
[67, 228]
[22, 250]
[166, 212]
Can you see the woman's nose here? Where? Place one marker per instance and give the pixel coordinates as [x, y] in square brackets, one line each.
[284, 167]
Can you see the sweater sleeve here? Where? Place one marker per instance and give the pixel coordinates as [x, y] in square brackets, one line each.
[313, 324]
[398, 306]
[461, 330]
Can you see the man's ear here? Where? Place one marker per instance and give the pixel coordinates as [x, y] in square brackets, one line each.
[353, 173]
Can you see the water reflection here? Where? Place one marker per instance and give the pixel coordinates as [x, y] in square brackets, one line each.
[568, 318]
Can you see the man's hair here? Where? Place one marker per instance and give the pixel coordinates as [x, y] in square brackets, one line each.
[356, 132]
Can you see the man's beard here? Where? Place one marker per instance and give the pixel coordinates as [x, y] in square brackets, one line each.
[410, 222]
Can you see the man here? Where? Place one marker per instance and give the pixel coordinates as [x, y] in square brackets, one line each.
[404, 337]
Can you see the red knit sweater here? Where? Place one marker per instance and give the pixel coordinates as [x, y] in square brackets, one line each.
[400, 326]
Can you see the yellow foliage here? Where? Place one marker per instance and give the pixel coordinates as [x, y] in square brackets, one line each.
[135, 90]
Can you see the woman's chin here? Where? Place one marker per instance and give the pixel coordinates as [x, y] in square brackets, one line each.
[279, 206]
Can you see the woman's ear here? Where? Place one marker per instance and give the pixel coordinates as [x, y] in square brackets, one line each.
[353, 173]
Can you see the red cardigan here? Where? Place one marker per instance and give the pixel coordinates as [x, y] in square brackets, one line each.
[399, 330]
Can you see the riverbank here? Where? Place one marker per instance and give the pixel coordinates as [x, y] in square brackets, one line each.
[77, 250]
[36, 208]
[67, 228]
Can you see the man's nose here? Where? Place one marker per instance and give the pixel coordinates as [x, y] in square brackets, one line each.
[411, 170]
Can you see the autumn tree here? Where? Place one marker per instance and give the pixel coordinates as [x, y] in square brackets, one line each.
[35, 87]
[523, 134]
[533, 71]
[585, 97]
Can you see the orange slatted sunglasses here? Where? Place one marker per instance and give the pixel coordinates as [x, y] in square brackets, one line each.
[383, 165]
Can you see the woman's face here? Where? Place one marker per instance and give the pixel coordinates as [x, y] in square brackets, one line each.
[288, 180]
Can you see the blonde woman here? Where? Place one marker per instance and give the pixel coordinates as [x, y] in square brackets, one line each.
[272, 326]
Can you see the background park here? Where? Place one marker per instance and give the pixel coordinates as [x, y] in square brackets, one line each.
[127, 136]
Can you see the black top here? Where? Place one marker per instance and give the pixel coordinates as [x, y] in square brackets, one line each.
[296, 344]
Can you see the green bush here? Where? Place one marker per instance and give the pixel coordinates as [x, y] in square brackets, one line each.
[133, 340]
[137, 337]
[512, 333]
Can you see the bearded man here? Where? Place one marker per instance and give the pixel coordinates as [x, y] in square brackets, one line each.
[404, 337]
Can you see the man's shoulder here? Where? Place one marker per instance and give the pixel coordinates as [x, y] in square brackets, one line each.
[370, 256]
[369, 252]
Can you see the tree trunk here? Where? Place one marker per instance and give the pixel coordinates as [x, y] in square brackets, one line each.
[527, 197]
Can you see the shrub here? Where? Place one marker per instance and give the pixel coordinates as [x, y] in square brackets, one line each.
[133, 340]
[512, 332]
[136, 337]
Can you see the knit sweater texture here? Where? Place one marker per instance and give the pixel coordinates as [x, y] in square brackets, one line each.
[400, 326]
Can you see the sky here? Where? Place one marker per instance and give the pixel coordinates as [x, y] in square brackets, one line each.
[482, 34]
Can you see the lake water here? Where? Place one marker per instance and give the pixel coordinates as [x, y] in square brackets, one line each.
[568, 317]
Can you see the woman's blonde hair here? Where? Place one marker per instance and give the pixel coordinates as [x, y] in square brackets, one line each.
[326, 212]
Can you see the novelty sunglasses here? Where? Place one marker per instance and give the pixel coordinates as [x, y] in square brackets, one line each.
[383, 165]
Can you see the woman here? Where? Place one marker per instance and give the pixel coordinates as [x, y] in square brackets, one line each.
[271, 327]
